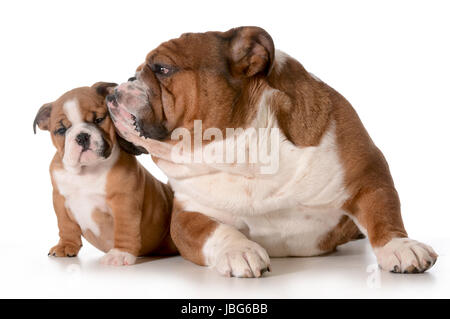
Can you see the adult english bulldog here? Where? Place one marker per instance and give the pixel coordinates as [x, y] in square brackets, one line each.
[321, 183]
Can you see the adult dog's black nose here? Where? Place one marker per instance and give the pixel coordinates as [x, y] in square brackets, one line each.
[112, 98]
[83, 139]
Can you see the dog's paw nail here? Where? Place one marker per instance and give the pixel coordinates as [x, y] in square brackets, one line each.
[404, 255]
[245, 260]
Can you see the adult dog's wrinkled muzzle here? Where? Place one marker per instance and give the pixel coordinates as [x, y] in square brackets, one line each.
[130, 109]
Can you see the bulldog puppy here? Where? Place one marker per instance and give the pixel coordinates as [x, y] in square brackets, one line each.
[328, 184]
[100, 191]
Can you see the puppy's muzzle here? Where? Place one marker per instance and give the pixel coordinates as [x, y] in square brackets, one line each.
[84, 140]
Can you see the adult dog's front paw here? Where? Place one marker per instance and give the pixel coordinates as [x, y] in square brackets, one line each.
[404, 255]
[243, 258]
[116, 257]
[64, 250]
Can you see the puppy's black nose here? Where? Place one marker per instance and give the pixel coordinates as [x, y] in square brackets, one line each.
[83, 139]
[133, 78]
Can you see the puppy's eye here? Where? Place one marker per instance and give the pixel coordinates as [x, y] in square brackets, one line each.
[61, 131]
[161, 69]
[99, 120]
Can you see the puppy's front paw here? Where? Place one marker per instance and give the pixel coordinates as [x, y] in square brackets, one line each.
[404, 255]
[64, 250]
[243, 259]
[116, 257]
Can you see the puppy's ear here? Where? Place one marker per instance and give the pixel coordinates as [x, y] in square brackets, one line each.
[42, 119]
[140, 67]
[251, 51]
[104, 88]
[130, 147]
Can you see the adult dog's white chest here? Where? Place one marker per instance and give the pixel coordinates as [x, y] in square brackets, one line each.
[287, 212]
[85, 192]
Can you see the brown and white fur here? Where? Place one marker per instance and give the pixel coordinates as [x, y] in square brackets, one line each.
[333, 184]
[100, 191]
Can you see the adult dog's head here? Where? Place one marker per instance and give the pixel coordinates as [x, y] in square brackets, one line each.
[199, 76]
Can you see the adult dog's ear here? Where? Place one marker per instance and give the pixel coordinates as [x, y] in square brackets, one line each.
[42, 119]
[130, 147]
[251, 51]
[104, 88]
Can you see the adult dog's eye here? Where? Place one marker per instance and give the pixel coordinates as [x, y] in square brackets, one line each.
[61, 131]
[161, 69]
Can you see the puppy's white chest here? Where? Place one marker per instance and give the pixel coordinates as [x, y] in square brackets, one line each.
[84, 193]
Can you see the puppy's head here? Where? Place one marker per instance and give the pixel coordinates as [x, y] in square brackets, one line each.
[80, 127]
[203, 76]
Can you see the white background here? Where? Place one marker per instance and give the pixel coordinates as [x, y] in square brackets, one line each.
[390, 59]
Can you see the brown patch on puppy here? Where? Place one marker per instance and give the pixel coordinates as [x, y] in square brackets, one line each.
[142, 207]
[105, 241]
